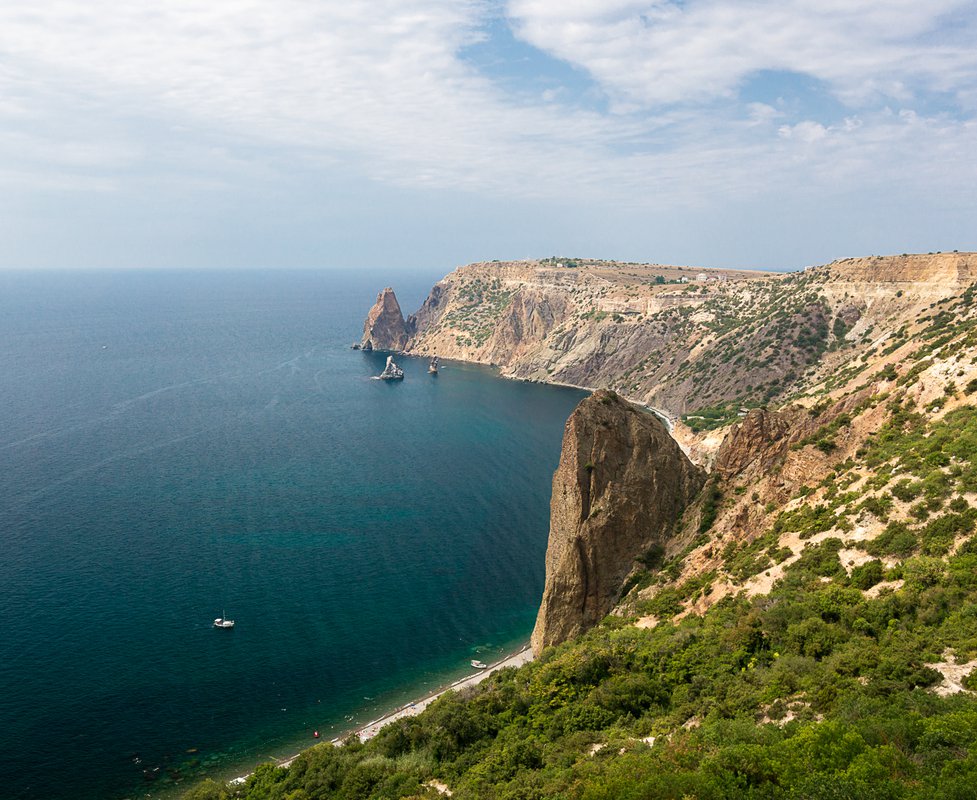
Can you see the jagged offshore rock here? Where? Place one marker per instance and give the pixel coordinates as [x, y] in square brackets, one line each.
[621, 485]
[391, 372]
[385, 328]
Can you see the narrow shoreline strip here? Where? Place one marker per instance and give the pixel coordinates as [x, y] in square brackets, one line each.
[371, 729]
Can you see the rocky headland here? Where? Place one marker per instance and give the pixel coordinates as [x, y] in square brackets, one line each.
[694, 342]
[770, 381]
[618, 493]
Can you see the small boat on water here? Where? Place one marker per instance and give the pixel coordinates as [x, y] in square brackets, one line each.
[433, 366]
[391, 372]
[223, 622]
[479, 664]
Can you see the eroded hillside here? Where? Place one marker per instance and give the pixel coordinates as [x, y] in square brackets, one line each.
[873, 474]
[700, 349]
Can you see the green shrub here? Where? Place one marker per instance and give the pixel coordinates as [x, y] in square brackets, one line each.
[896, 540]
[907, 490]
[938, 534]
[712, 497]
[820, 560]
[878, 506]
[806, 520]
[923, 571]
[866, 575]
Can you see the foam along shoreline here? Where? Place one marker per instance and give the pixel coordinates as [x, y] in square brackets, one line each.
[371, 729]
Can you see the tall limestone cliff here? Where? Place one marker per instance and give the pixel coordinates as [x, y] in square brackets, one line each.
[385, 327]
[621, 485]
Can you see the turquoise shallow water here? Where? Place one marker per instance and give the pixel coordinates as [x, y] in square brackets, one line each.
[173, 444]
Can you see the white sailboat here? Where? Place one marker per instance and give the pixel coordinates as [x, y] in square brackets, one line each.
[223, 622]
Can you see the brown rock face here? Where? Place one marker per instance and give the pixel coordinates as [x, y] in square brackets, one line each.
[385, 328]
[763, 438]
[431, 311]
[621, 485]
[758, 442]
[528, 320]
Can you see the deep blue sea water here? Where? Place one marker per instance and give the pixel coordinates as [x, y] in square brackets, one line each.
[176, 444]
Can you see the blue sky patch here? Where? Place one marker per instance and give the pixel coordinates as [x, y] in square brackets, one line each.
[796, 95]
[522, 70]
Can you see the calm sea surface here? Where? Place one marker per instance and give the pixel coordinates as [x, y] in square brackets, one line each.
[174, 445]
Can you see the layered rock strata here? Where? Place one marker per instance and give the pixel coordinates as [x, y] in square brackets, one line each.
[621, 485]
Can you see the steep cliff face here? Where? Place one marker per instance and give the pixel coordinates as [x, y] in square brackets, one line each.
[385, 327]
[621, 485]
[944, 269]
[528, 319]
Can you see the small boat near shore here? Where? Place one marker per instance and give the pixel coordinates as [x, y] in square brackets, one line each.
[479, 664]
[433, 366]
[223, 622]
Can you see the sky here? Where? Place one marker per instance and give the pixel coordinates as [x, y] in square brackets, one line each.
[408, 134]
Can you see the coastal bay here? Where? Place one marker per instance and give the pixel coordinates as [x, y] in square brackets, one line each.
[177, 446]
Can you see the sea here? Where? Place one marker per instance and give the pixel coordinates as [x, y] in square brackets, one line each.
[177, 446]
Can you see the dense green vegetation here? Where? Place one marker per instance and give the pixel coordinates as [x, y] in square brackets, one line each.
[707, 419]
[484, 301]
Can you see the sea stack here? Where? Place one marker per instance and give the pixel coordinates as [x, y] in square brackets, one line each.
[385, 328]
[391, 372]
[621, 485]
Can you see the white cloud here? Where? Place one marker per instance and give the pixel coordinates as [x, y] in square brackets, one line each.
[668, 52]
[95, 88]
[762, 113]
[375, 81]
[806, 131]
